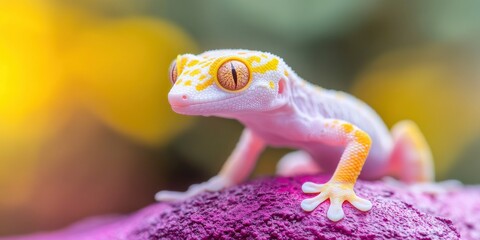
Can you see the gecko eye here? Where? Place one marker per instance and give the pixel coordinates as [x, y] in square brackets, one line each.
[233, 75]
[172, 72]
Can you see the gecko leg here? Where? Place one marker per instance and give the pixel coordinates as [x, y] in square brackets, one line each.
[340, 187]
[235, 170]
[297, 163]
[411, 158]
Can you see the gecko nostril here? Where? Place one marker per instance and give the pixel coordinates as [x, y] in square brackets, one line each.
[178, 99]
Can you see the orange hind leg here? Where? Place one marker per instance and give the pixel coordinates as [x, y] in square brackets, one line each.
[411, 158]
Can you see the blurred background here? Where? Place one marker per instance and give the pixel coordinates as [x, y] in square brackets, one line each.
[86, 129]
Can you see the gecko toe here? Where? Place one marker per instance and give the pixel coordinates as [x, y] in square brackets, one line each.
[310, 204]
[361, 204]
[310, 187]
[166, 196]
[335, 211]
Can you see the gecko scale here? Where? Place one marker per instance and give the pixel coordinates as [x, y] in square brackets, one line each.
[333, 131]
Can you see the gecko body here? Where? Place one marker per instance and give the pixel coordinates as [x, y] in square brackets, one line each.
[332, 130]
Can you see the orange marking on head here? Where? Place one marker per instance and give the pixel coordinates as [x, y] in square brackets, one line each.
[192, 63]
[271, 84]
[269, 66]
[181, 61]
[206, 63]
[254, 59]
[205, 84]
[212, 72]
[195, 72]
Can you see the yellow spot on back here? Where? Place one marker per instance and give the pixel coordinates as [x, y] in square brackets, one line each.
[285, 72]
[195, 72]
[192, 63]
[188, 83]
[271, 85]
[202, 77]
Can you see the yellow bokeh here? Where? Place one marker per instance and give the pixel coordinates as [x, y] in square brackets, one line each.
[29, 73]
[119, 69]
[51, 57]
[430, 86]
[56, 61]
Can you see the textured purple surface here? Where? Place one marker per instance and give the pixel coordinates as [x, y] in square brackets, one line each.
[270, 209]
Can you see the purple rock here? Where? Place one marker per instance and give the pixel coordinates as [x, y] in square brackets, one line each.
[270, 209]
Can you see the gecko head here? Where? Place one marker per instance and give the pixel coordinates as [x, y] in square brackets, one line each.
[227, 83]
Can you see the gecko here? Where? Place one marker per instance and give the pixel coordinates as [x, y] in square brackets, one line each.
[332, 131]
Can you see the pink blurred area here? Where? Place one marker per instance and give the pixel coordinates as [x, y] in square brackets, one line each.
[85, 125]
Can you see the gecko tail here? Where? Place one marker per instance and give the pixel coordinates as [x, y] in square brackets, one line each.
[411, 158]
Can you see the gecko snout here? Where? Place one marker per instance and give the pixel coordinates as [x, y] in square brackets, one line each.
[180, 99]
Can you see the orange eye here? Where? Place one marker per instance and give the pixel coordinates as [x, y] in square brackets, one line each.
[172, 72]
[233, 75]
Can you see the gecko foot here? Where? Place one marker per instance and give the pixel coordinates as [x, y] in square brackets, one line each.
[337, 193]
[216, 183]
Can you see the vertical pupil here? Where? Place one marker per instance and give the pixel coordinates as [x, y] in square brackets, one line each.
[234, 74]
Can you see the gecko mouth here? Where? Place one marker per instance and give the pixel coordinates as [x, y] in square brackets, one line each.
[202, 106]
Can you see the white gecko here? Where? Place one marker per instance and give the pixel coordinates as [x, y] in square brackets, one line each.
[334, 131]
